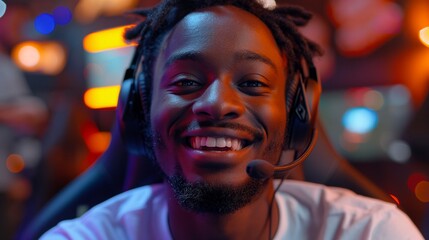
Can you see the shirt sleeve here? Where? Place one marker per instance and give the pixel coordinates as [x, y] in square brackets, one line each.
[396, 225]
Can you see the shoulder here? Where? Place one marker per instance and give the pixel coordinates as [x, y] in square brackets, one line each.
[337, 212]
[116, 217]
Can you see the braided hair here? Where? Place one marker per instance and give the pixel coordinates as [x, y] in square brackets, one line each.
[283, 23]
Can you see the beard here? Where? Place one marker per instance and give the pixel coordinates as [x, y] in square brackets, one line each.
[204, 197]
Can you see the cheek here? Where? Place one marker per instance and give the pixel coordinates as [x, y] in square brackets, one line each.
[167, 112]
[275, 119]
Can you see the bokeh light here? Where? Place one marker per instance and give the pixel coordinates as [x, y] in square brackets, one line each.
[2, 8]
[424, 36]
[102, 97]
[399, 151]
[107, 39]
[414, 179]
[373, 99]
[62, 15]
[15, 163]
[418, 183]
[360, 120]
[45, 57]
[422, 191]
[29, 56]
[98, 142]
[363, 26]
[44, 23]
[53, 58]
[88, 10]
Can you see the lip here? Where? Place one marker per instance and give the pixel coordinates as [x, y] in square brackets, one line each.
[211, 159]
[218, 132]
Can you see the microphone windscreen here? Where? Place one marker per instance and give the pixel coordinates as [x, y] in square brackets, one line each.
[260, 169]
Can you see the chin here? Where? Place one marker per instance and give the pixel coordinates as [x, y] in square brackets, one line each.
[214, 196]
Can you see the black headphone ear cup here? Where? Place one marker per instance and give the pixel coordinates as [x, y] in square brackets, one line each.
[303, 111]
[300, 128]
[130, 117]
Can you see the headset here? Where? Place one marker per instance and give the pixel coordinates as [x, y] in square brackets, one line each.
[301, 127]
[132, 118]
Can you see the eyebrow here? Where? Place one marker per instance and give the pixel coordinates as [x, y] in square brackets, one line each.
[197, 56]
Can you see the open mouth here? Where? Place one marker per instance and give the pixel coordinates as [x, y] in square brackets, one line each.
[217, 143]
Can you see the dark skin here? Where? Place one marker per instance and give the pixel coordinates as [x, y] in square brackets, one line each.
[219, 75]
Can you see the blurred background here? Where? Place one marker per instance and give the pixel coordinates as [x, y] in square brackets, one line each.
[61, 64]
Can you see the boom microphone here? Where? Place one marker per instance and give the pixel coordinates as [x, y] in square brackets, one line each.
[261, 169]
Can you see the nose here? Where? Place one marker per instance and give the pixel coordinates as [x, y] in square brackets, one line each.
[219, 101]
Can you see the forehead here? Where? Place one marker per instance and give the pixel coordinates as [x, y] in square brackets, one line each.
[221, 29]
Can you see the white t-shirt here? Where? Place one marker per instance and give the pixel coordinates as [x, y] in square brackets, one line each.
[307, 211]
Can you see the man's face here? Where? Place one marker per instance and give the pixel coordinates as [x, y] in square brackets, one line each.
[218, 97]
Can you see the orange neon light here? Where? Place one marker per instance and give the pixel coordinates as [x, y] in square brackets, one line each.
[106, 40]
[102, 97]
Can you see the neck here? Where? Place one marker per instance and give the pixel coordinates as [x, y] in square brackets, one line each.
[250, 222]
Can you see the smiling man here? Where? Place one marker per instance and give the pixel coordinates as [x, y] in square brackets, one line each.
[216, 82]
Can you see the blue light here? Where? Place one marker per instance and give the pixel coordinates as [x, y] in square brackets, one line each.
[44, 23]
[360, 120]
[62, 15]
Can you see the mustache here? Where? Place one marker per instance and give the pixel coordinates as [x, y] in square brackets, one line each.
[256, 133]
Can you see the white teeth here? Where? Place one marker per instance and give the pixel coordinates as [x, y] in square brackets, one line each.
[221, 142]
[236, 144]
[228, 142]
[197, 142]
[211, 142]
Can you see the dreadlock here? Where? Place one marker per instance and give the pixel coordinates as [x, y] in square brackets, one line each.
[282, 21]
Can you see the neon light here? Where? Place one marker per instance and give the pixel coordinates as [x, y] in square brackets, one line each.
[102, 97]
[106, 40]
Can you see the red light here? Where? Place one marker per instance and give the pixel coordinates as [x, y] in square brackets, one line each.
[415, 179]
[395, 199]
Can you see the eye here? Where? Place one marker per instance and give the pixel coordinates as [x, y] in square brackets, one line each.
[184, 84]
[254, 85]
[187, 83]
